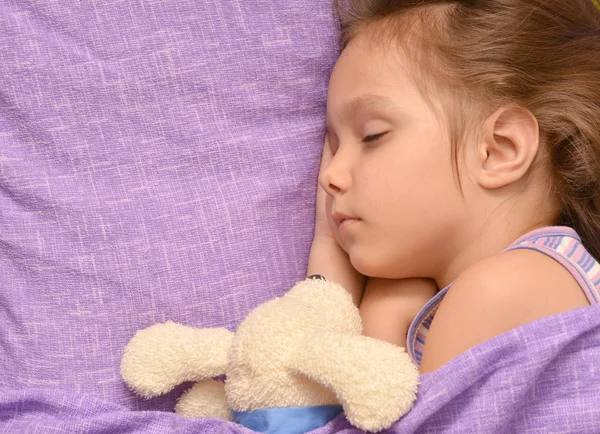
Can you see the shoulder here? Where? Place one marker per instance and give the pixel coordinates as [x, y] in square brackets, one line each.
[495, 295]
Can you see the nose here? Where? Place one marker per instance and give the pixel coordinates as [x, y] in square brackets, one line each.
[335, 177]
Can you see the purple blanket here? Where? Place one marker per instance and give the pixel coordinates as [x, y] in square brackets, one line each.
[158, 162]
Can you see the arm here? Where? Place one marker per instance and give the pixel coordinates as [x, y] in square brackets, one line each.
[326, 256]
[389, 306]
[329, 260]
[486, 301]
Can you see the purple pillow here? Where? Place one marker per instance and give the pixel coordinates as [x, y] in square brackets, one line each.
[158, 161]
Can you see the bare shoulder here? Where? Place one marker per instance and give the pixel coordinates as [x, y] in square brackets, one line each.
[495, 295]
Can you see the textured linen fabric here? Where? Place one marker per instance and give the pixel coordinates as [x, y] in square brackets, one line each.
[158, 161]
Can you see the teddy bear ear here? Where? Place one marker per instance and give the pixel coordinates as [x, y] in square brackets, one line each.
[162, 356]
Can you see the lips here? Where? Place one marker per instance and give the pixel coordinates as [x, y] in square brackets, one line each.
[339, 218]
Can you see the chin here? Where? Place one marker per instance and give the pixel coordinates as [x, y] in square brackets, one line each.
[365, 265]
[374, 265]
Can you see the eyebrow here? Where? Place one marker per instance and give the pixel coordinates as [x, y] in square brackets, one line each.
[365, 100]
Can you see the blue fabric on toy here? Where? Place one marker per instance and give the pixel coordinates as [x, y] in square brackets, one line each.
[288, 420]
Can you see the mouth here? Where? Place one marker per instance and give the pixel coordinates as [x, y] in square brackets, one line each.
[342, 220]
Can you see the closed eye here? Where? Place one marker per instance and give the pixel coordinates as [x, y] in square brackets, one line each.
[374, 137]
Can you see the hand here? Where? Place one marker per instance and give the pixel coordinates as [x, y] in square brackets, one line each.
[327, 257]
[324, 226]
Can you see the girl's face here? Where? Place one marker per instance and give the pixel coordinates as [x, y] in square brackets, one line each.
[392, 170]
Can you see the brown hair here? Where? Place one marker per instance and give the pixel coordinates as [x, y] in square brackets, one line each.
[543, 55]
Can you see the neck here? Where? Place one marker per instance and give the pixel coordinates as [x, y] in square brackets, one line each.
[500, 226]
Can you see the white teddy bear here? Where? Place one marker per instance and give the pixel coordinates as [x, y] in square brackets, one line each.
[303, 352]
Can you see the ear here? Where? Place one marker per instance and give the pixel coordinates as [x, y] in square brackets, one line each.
[507, 147]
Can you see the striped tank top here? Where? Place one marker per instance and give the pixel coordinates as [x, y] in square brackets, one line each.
[560, 243]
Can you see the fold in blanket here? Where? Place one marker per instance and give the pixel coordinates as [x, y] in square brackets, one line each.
[543, 377]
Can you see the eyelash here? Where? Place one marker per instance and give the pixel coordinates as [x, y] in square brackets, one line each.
[374, 137]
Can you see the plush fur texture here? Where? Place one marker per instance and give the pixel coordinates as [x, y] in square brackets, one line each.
[302, 349]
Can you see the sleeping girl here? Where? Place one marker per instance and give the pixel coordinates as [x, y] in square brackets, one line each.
[462, 153]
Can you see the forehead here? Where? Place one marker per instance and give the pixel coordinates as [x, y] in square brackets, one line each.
[368, 59]
[369, 74]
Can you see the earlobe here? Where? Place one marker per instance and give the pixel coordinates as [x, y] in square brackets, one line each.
[507, 147]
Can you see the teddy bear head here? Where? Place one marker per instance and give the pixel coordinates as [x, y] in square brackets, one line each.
[259, 373]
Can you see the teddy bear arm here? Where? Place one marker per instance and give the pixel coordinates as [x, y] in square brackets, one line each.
[376, 382]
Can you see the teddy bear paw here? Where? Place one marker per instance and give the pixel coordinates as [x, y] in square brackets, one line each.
[204, 399]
